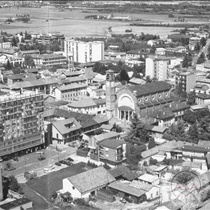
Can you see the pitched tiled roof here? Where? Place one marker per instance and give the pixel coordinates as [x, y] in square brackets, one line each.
[111, 143]
[91, 180]
[72, 86]
[195, 148]
[63, 128]
[83, 103]
[125, 187]
[149, 88]
[123, 171]
[163, 114]
[108, 135]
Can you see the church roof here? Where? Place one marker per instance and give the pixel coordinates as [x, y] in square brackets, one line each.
[149, 88]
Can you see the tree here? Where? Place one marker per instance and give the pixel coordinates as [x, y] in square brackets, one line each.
[193, 133]
[191, 98]
[106, 166]
[13, 184]
[184, 177]
[124, 75]
[203, 42]
[151, 143]
[29, 61]
[208, 53]
[189, 117]
[99, 68]
[201, 58]
[197, 47]
[153, 161]
[54, 195]
[133, 153]
[176, 131]
[138, 134]
[187, 61]
[117, 128]
[8, 165]
[148, 79]
[14, 42]
[8, 66]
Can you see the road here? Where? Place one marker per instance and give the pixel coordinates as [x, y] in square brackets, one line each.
[30, 161]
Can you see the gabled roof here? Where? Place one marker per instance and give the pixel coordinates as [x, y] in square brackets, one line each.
[123, 171]
[137, 81]
[91, 180]
[63, 128]
[58, 103]
[125, 187]
[195, 148]
[71, 86]
[149, 88]
[72, 73]
[108, 135]
[111, 143]
[163, 114]
[83, 103]
[148, 178]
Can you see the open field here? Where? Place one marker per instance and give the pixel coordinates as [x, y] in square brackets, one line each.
[51, 182]
[72, 23]
[39, 203]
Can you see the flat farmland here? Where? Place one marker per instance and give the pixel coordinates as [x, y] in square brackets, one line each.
[73, 23]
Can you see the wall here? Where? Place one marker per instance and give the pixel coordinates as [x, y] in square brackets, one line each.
[154, 192]
[67, 186]
[57, 94]
[149, 67]
[54, 135]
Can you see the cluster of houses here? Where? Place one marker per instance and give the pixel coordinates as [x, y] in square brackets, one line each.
[78, 105]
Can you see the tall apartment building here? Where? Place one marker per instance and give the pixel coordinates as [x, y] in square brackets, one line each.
[21, 124]
[157, 67]
[84, 52]
[49, 60]
[187, 80]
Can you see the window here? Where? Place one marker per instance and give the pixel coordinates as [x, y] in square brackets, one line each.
[157, 193]
[56, 135]
[73, 188]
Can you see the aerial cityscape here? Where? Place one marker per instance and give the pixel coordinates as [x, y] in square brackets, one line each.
[105, 105]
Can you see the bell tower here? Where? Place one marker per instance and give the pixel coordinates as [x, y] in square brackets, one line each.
[110, 93]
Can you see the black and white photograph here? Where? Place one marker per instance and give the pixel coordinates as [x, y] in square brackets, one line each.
[105, 105]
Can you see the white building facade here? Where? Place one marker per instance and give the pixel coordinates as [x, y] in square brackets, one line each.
[84, 52]
[157, 68]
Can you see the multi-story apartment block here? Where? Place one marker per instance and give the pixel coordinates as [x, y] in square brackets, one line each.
[5, 45]
[186, 80]
[157, 67]
[70, 92]
[49, 60]
[21, 125]
[112, 151]
[84, 52]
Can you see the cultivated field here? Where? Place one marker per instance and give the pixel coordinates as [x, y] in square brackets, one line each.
[72, 23]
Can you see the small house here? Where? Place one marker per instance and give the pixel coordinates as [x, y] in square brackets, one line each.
[87, 183]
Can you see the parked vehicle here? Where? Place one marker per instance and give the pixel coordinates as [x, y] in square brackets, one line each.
[30, 175]
[58, 164]
[15, 159]
[70, 159]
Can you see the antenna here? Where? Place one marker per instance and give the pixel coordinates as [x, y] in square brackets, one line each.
[48, 20]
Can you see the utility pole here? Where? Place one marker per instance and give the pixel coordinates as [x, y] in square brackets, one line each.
[48, 20]
[25, 164]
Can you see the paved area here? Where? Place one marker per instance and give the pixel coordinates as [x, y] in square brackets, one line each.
[30, 161]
